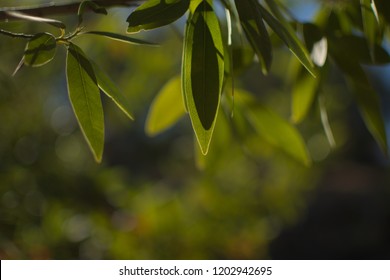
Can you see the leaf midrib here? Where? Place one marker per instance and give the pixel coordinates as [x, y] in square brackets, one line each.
[85, 94]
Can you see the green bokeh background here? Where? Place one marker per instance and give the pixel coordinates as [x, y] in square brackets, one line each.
[148, 199]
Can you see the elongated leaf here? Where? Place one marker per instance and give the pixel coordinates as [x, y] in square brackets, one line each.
[303, 93]
[273, 128]
[156, 13]
[93, 6]
[50, 21]
[40, 50]
[119, 37]
[370, 23]
[325, 122]
[203, 71]
[369, 105]
[287, 35]
[366, 98]
[166, 108]
[111, 90]
[360, 52]
[85, 99]
[252, 23]
[383, 8]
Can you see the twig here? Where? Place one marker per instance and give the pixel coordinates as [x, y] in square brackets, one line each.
[67, 8]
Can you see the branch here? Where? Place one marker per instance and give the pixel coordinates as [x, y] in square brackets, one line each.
[68, 8]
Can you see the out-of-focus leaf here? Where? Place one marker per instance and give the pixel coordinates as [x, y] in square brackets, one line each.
[383, 8]
[374, 10]
[358, 51]
[287, 35]
[111, 90]
[156, 13]
[203, 71]
[93, 6]
[166, 108]
[40, 50]
[50, 21]
[119, 37]
[325, 122]
[242, 58]
[273, 128]
[370, 109]
[303, 93]
[366, 98]
[252, 23]
[311, 34]
[85, 99]
[370, 23]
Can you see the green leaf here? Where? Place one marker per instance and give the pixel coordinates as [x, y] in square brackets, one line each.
[303, 93]
[156, 13]
[383, 8]
[40, 50]
[93, 6]
[288, 36]
[325, 122]
[85, 99]
[166, 108]
[273, 128]
[203, 71]
[252, 23]
[119, 37]
[50, 21]
[366, 98]
[370, 23]
[360, 52]
[111, 90]
[369, 105]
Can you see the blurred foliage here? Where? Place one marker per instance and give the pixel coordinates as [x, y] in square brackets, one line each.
[155, 198]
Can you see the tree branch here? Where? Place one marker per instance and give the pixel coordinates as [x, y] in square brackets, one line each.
[55, 9]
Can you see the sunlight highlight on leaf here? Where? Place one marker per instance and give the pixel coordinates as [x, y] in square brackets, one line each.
[203, 71]
[84, 96]
[166, 108]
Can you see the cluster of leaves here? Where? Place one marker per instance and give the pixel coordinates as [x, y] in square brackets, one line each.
[84, 78]
[210, 62]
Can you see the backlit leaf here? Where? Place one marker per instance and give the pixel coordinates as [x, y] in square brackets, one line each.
[40, 50]
[166, 109]
[203, 71]
[252, 23]
[111, 90]
[85, 99]
[325, 122]
[303, 93]
[156, 13]
[273, 128]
